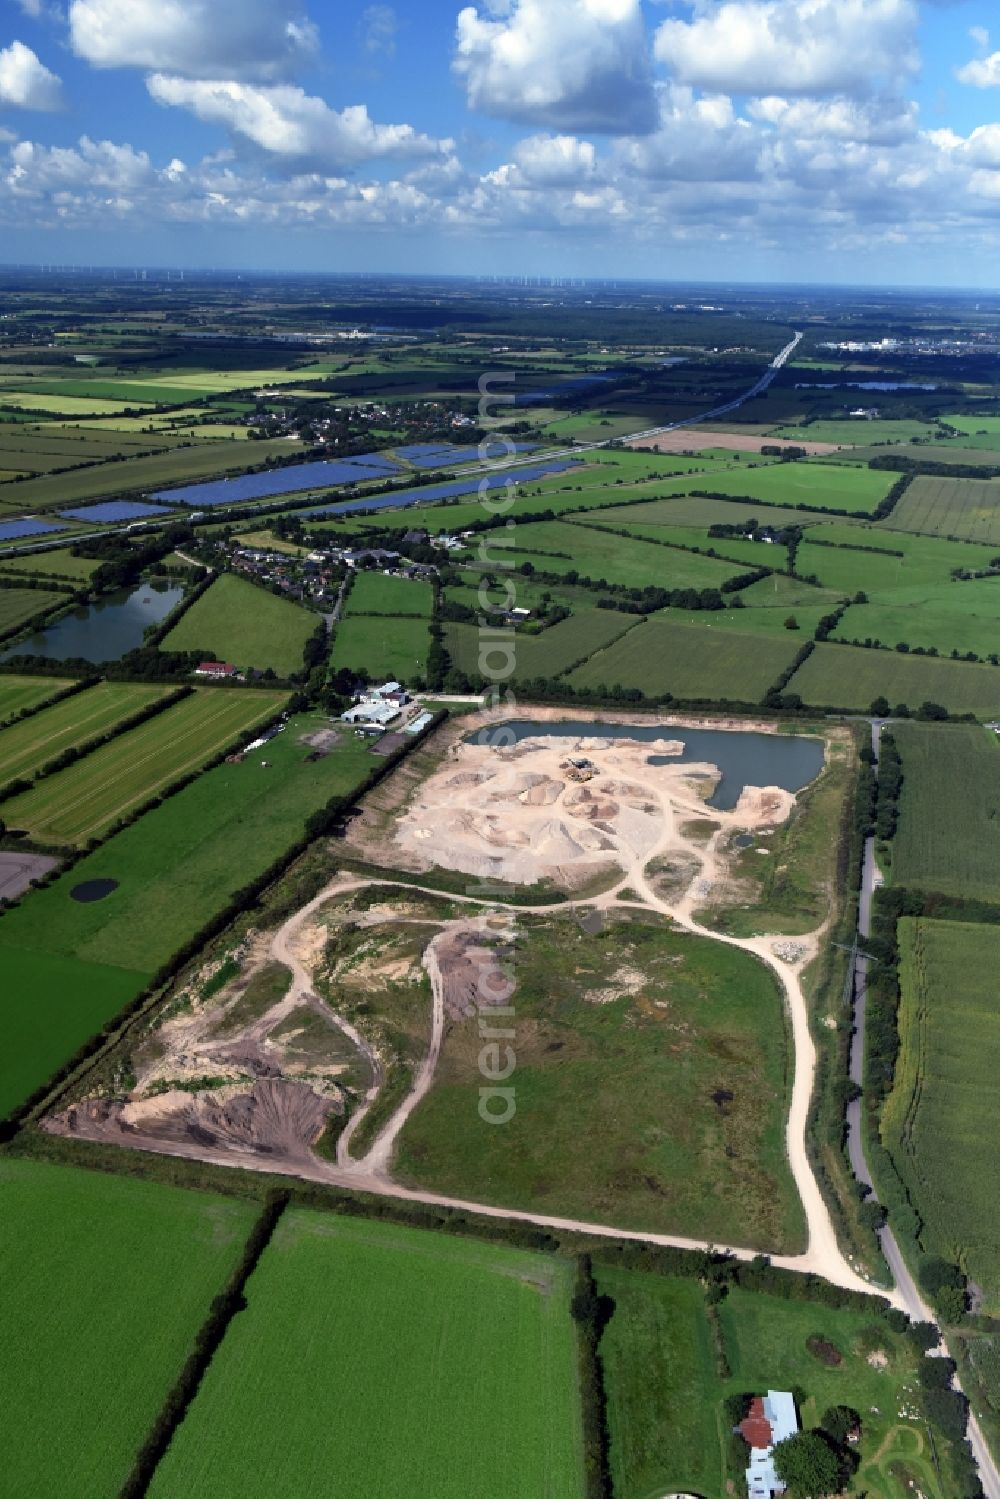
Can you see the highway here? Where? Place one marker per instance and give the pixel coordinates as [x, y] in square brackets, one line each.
[914, 1304]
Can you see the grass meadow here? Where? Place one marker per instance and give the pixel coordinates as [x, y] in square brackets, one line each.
[18, 605]
[549, 654]
[391, 1361]
[104, 1282]
[381, 593]
[936, 1123]
[381, 647]
[691, 661]
[86, 798]
[242, 623]
[657, 1104]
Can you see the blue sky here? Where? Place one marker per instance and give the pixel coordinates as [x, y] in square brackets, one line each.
[823, 140]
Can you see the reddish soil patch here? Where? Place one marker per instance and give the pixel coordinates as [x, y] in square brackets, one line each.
[693, 439]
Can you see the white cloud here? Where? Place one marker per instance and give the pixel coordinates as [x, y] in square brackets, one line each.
[292, 124]
[253, 38]
[698, 140]
[25, 82]
[877, 122]
[555, 160]
[791, 46]
[565, 64]
[981, 72]
[377, 30]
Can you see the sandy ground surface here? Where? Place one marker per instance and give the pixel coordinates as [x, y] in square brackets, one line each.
[519, 812]
[18, 870]
[551, 809]
[694, 439]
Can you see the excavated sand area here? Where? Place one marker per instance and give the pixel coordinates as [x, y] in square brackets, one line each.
[558, 809]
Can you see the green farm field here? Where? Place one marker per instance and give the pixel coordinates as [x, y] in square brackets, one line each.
[936, 1121]
[617, 1120]
[856, 433]
[25, 747]
[945, 617]
[549, 654]
[379, 593]
[824, 486]
[971, 425]
[380, 647]
[844, 676]
[180, 465]
[950, 798]
[175, 869]
[18, 605]
[666, 1413]
[57, 562]
[19, 693]
[460, 1381]
[965, 509]
[697, 510]
[104, 1282]
[560, 546]
[239, 622]
[85, 799]
[691, 661]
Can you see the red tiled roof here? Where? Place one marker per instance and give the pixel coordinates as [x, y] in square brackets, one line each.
[755, 1427]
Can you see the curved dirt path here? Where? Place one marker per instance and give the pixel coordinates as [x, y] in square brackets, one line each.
[378, 1158]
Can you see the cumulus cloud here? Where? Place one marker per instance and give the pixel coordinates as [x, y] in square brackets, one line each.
[253, 39]
[879, 122]
[294, 125]
[982, 72]
[25, 82]
[791, 46]
[698, 140]
[564, 64]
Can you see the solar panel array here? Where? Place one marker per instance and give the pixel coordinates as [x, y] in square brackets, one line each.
[264, 486]
[14, 530]
[110, 511]
[432, 492]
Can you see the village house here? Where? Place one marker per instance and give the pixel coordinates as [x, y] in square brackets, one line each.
[771, 1419]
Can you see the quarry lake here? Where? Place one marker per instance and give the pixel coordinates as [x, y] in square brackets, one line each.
[103, 631]
[744, 758]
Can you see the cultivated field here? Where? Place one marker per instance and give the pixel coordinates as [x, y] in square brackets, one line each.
[844, 676]
[25, 747]
[104, 1282]
[966, 509]
[652, 1077]
[690, 662]
[57, 562]
[19, 693]
[415, 1407]
[669, 1428]
[88, 797]
[380, 647]
[941, 617]
[178, 466]
[950, 798]
[936, 1121]
[244, 624]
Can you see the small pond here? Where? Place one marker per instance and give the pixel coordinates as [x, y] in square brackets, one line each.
[105, 630]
